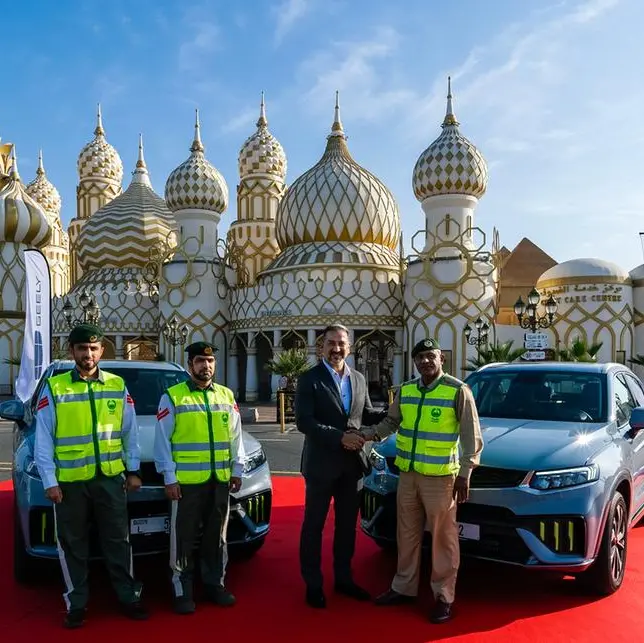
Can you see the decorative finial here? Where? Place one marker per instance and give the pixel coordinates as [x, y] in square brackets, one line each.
[140, 174]
[13, 172]
[262, 122]
[99, 131]
[336, 128]
[450, 118]
[197, 145]
[41, 168]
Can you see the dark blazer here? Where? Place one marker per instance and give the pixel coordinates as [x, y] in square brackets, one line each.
[320, 415]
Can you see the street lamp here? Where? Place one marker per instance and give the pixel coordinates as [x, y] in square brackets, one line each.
[175, 335]
[90, 312]
[482, 332]
[527, 314]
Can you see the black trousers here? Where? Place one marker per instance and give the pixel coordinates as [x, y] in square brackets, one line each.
[203, 508]
[344, 492]
[103, 500]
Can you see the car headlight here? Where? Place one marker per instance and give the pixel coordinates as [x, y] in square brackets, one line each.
[377, 461]
[547, 480]
[254, 460]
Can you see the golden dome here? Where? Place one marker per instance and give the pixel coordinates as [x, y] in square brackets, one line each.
[43, 191]
[98, 159]
[22, 220]
[196, 183]
[122, 233]
[451, 164]
[338, 200]
[262, 153]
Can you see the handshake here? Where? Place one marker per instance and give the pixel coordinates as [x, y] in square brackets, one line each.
[354, 439]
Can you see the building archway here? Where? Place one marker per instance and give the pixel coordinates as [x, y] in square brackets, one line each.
[264, 355]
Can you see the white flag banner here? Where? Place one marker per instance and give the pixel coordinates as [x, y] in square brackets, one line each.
[36, 344]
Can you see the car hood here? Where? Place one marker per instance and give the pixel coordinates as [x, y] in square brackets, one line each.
[533, 445]
[147, 427]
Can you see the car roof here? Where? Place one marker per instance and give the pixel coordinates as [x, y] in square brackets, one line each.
[564, 367]
[107, 364]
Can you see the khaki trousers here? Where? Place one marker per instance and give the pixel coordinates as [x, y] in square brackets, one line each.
[427, 502]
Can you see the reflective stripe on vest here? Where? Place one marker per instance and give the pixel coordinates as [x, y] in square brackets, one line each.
[89, 419]
[201, 437]
[427, 440]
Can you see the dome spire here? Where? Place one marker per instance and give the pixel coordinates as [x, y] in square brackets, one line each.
[262, 122]
[197, 145]
[140, 174]
[450, 118]
[41, 168]
[336, 128]
[99, 131]
[13, 172]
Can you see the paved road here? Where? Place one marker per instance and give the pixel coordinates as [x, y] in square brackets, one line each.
[282, 449]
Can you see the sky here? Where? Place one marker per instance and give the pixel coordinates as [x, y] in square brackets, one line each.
[550, 91]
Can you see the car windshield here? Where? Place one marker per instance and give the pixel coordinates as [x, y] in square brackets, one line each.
[540, 395]
[146, 385]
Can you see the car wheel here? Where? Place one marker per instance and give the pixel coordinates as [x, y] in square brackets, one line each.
[606, 574]
[24, 566]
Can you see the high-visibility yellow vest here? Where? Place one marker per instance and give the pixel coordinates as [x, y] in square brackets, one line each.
[427, 441]
[89, 419]
[201, 437]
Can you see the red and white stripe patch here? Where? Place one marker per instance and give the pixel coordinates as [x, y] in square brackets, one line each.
[162, 414]
[44, 402]
[129, 400]
[235, 407]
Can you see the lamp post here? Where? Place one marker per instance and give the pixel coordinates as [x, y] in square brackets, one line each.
[90, 311]
[482, 333]
[527, 313]
[174, 334]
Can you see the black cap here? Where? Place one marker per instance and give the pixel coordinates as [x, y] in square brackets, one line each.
[201, 349]
[85, 334]
[425, 345]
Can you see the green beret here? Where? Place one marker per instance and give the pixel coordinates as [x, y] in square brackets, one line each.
[425, 345]
[85, 334]
[201, 349]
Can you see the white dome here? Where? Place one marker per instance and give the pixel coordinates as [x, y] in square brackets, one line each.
[262, 153]
[196, 183]
[338, 200]
[451, 164]
[43, 191]
[98, 159]
[22, 220]
[585, 268]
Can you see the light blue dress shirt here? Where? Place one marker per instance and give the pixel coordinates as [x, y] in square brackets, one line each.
[343, 383]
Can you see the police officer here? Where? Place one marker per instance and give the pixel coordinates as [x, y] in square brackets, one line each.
[85, 421]
[434, 416]
[199, 450]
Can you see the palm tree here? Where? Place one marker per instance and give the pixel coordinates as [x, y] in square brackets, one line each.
[579, 351]
[290, 364]
[499, 352]
[56, 354]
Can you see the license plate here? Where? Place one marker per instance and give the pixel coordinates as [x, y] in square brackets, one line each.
[151, 525]
[467, 531]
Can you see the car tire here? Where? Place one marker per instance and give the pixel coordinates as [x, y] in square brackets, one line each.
[25, 567]
[606, 574]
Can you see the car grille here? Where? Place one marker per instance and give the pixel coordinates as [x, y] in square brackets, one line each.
[482, 477]
[563, 535]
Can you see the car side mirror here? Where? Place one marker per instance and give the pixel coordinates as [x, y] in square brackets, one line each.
[636, 422]
[13, 410]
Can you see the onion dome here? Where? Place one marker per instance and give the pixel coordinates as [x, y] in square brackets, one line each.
[43, 191]
[22, 220]
[196, 184]
[338, 200]
[98, 159]
[122, 233]
[588, 269]
[451, 164]
[262, 153]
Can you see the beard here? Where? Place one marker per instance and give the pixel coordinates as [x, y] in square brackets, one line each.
[203, 376]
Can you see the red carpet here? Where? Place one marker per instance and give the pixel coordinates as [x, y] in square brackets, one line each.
[495, 604]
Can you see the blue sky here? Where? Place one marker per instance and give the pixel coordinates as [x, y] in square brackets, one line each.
[550, 92]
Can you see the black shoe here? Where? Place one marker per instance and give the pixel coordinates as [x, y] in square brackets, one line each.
[315, 598]
[183, 605]
[352, 591]
[441, 612]
[220, 596]
[392, 597]
[74, 619]
[135, 611]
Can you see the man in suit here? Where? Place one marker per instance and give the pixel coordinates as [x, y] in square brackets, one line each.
[331, 404]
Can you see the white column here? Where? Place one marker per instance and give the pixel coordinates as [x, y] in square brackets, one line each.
[118, 346]
[232, 375]
[397, 375]
[277, 351]
[251, 369]
[310, 340]
[351, 359]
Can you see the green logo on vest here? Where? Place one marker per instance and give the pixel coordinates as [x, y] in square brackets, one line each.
[435, 413]
[111, 406]
[224, 417]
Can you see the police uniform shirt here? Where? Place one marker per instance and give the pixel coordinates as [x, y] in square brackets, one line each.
[163, 459]
[46, 432]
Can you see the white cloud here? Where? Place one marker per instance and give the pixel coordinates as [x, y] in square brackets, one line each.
[202, 40]
[288, 14]
[243, 121]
